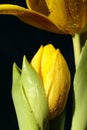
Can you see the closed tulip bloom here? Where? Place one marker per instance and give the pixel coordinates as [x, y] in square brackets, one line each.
[55, 75]
[58, 16]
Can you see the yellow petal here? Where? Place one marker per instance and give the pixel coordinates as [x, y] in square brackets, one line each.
[60, 85]
[30, 17]
[56, 79]
[57, 11]
[47, 60]
[12, 9]
[36, 60]
[38, 5]
[66, 14]
[84, 24]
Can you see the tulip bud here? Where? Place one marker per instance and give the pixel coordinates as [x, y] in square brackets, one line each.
[55, 75]
[29, 98]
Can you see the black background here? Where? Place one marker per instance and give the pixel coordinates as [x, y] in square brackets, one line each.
[18, 39]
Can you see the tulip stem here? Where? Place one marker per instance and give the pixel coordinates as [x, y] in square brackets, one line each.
[76, 47]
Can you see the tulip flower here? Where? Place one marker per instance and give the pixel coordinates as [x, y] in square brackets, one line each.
[55, 75]
[41, 88]
[58, 16]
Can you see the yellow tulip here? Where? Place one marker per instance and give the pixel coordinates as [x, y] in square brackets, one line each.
[58, 16]
[55, 75]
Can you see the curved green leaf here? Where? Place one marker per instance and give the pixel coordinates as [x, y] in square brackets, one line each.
[35, 94]
[79, 121]
[25, 116]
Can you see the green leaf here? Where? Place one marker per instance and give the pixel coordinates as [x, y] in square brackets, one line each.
[25, 116]
[35, 94]
[79, 121]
